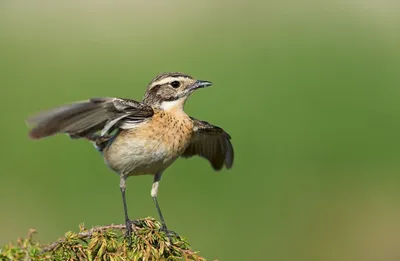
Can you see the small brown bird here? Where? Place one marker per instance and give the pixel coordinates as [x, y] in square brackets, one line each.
[138, 138]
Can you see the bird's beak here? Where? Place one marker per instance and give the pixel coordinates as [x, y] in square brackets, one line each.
[199, 84]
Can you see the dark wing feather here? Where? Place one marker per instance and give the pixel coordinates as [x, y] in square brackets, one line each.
[212, 143]
[83, 118]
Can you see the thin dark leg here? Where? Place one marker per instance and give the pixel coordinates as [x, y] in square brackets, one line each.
[128, 223]
[154, 192]
[164, 226]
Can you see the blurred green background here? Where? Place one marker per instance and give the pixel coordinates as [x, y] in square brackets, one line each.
[309, 92]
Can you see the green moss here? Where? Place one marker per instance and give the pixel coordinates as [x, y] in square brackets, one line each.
[105, 243]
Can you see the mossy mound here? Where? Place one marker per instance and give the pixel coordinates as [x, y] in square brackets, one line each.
[105, 243]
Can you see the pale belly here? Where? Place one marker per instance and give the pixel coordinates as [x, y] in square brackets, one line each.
[150, 147]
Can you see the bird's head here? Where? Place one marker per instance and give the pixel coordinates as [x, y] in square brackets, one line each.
[169, 91]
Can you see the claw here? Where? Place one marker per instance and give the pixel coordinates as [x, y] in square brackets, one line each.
[129, 230]
[169, 233]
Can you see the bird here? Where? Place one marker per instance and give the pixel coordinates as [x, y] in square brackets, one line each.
[141, 137]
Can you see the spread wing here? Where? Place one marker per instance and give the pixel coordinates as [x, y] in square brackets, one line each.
[83, 118]
[211, 142]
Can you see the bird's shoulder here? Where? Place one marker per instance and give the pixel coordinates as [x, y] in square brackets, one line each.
[124, 105]
[202, 126]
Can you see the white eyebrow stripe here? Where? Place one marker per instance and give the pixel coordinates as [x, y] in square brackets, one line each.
[168, 80]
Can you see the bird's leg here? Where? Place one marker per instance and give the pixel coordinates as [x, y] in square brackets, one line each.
[154, 192]
[128, 223]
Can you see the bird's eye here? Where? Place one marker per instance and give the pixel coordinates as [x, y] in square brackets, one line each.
[175, 84]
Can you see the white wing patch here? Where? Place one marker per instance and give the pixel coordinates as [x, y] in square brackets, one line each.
[131, 124]
[110, 124]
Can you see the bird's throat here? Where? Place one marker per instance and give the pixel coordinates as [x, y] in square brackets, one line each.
[173, 106]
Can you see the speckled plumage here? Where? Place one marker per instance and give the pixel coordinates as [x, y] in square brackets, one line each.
[150, 147]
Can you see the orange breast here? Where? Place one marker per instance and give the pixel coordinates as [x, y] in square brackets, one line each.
[173, 130]
[151, 146]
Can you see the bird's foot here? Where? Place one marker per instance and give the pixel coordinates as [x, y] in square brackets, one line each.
[129, 230]
[169, 233]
